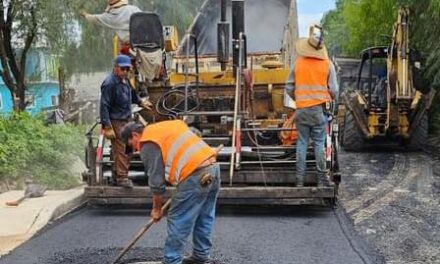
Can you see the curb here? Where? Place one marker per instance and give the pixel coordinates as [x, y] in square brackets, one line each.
[52, 213]
[67, 208]
[366, 252]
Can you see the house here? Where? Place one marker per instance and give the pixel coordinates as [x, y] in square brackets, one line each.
[42, 78]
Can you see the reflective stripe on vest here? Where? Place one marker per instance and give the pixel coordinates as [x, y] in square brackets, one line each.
[182, 150]
[186, 157]
[173, 150]
[311, 82]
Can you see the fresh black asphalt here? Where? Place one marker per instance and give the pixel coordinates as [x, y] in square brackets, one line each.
[289, 235]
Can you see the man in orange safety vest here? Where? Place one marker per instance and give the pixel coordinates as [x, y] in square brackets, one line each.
[313, 84]
[173, 154]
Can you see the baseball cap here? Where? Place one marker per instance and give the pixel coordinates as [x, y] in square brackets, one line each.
[123, 61]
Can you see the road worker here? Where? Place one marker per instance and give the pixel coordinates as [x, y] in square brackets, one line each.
[116, 17]
[313, 84]
[173, 154]
[117, 95]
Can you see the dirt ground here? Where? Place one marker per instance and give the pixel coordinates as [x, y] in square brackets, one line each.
[393, 199]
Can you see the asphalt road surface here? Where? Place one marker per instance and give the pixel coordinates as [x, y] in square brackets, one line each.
[252, 235]
[393, 198]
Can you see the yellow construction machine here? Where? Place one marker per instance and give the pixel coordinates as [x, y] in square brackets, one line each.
[230, 89]
[390, 102]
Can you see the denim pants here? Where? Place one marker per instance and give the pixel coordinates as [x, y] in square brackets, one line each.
[192, 210]
[311, 124]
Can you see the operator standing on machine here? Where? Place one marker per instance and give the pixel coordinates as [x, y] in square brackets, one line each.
[117, 95]
[313, 84]
[116, 17]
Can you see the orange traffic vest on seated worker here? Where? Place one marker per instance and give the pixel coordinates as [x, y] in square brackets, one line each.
[311, 80]
[182, 150]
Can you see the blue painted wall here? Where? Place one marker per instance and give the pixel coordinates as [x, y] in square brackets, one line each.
[41, 72]
[43, 95]
[5, 99]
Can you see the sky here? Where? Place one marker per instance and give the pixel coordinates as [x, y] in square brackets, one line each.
[311, 12]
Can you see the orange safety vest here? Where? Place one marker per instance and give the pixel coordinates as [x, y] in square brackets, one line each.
[182, 150]
[311, 82]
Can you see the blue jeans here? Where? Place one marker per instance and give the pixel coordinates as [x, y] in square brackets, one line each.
[310, 123]
[192, 210]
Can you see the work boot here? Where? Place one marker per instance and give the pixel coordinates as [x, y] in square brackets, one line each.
[299, 181]
[124, 182]
[323, 180]
[193, 260]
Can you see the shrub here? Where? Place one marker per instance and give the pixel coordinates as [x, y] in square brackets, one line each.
[29, 149]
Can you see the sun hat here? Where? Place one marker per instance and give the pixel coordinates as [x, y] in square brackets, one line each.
[313, 46]
[116, 4]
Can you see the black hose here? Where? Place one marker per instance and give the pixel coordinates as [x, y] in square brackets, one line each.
[173, 111]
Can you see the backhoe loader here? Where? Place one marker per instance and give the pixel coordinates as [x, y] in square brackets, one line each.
[390, 102]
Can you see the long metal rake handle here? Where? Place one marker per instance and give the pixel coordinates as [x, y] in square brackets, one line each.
[140, 233]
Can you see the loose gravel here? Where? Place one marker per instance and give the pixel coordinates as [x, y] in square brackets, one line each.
[394, 202]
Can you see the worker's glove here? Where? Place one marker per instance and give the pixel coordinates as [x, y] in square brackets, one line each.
[156, 212]
[146, 104]
[109, 133]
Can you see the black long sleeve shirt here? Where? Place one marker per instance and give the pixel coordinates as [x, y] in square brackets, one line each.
[116, 99]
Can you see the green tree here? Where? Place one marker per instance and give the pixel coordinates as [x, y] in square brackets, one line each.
[23, 23]
[94, 50]
[357, 24]
[336, 34]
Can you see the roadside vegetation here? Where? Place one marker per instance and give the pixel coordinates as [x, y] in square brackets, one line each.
[32, 150]
[358, 24]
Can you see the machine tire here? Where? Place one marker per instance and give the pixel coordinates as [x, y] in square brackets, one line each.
[352, 139]
[419, 136]
[341, 132]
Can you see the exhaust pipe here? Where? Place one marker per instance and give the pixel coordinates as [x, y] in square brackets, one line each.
[223, 37]
[237, 28]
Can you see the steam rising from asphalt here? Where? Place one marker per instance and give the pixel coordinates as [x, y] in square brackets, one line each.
[265, 21]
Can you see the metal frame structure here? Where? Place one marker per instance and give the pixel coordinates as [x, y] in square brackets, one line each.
[234, 102]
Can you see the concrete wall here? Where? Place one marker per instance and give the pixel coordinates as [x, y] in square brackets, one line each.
[87, 86]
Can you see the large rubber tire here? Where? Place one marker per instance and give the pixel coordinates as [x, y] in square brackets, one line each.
[419, 136]
[341, 132]
[352, 139]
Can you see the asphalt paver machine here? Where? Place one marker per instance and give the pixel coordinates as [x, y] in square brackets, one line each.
[226, 79]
